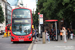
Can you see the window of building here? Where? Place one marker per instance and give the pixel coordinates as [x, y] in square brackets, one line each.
[0, 26]
[9, 12]
[9, 8]
[8, 17]
[9, 21]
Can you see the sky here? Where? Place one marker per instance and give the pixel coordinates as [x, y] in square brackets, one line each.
[31, 4]
[12, 2]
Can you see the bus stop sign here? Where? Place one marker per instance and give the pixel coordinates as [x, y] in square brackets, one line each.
[41, 15]
[40, 18]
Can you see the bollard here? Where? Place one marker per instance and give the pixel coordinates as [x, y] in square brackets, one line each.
[43, 38]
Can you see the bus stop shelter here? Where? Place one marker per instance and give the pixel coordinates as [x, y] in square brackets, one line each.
[55, 27]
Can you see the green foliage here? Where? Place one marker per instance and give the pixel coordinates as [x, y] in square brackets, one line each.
[35, 17]
[58, 9]
[40, 3]
[1, 15]
[69, 12]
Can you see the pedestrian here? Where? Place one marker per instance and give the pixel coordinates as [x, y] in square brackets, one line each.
[71, 35]
[47, 36]
[54, 33]
[51, 34]
[68, 31]
[64, 31]
[34, 34]
[61, 34]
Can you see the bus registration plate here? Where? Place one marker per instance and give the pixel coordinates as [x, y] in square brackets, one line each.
[21, 39]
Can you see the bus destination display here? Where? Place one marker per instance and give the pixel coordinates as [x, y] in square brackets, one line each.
[22, 21]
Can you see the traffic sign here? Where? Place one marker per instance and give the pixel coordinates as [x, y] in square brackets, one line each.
[41, 19]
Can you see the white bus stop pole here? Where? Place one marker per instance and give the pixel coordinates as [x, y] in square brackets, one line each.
[39, 29]
[56, 29]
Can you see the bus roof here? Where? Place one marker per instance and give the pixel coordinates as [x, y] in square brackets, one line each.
[21, 8]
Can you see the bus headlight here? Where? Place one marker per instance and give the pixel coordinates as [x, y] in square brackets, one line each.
[12, 37]
[30, 36]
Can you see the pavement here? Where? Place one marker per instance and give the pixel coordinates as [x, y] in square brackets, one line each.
[54, 45]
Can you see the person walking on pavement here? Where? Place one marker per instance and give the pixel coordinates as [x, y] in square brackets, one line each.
[64, 31]
[47, 36]
[68, 31]
[61, 34]
[34, 34]
[54, 33]
[51, 34]
[71, 35]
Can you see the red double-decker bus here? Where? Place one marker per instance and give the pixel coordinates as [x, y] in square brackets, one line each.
[21, 24]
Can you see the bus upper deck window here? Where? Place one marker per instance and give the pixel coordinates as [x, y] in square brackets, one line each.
[13, 15]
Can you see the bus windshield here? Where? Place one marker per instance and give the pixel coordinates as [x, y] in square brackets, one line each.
[21, 13]
[21, 29]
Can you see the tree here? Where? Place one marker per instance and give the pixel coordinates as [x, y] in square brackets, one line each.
[41, 8]
[35, 18]
[1, 15]
[69, 11]
[58, 9]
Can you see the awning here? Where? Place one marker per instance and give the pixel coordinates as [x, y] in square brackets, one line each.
[50, 20]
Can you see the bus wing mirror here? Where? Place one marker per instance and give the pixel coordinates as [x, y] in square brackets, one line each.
[33, 26]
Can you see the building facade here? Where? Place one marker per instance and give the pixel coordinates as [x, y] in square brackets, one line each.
[8, 9]
[7, 13]
[2, 25]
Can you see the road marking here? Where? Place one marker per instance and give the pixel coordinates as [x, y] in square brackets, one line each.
[30, 47]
